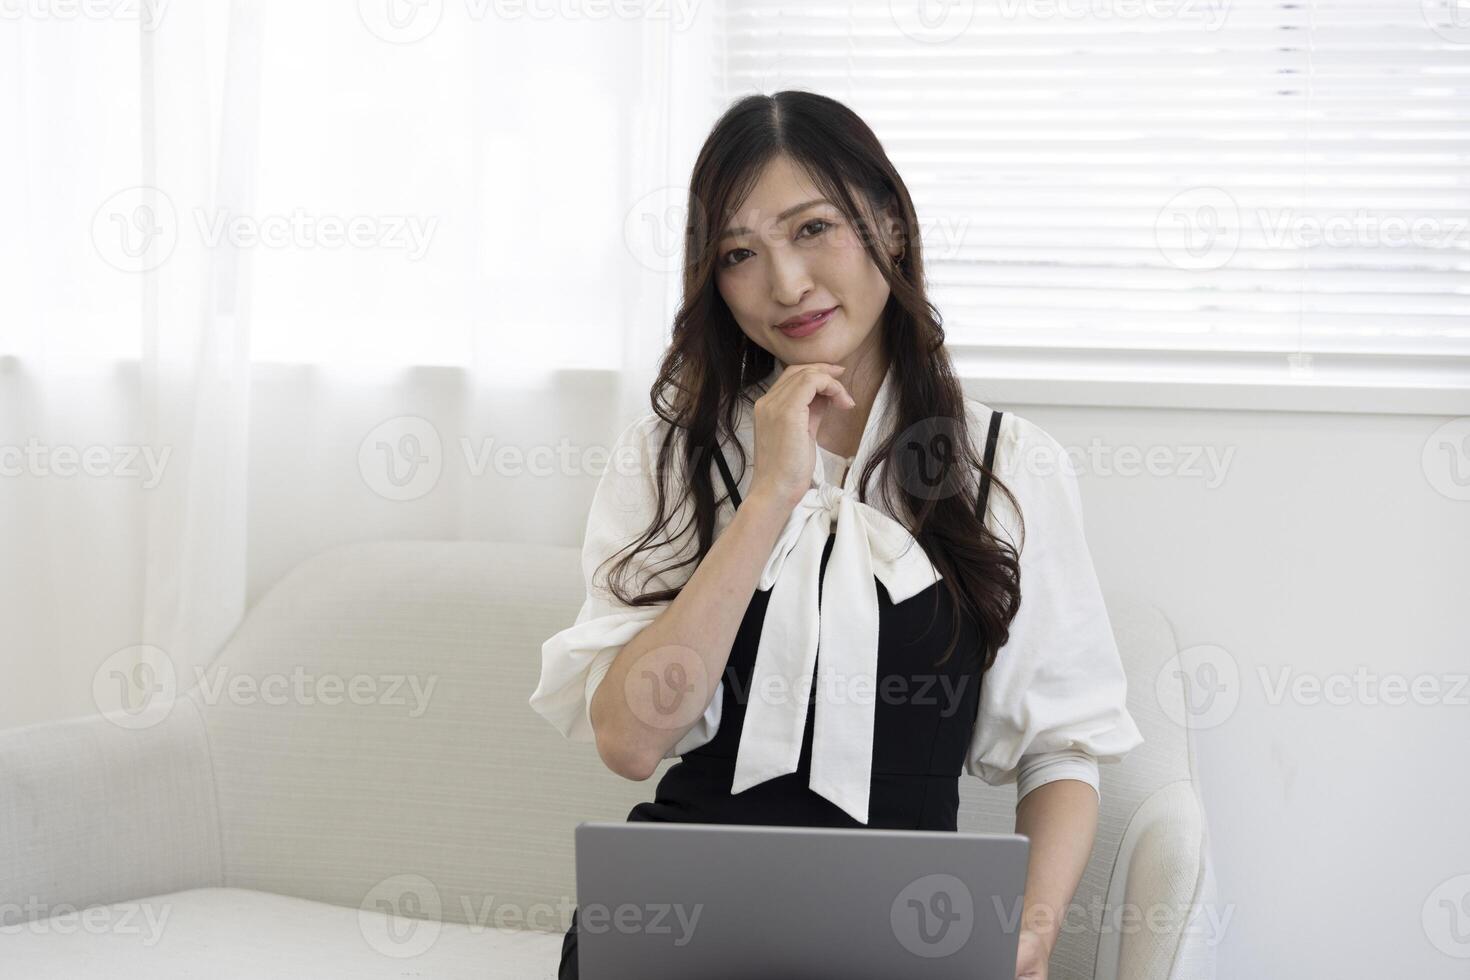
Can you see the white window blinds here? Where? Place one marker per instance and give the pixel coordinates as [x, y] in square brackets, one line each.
[1162, 175]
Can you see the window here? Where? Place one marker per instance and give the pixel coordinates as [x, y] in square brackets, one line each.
[1207, 183]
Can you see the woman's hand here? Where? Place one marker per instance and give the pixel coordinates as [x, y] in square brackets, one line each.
[787, 418]
[1031, 956]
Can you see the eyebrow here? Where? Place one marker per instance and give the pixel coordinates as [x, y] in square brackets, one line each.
[728, 232]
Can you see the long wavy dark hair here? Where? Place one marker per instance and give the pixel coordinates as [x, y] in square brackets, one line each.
[711, 364]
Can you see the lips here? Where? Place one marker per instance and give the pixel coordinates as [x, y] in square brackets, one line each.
[809, 326]
[802, 321]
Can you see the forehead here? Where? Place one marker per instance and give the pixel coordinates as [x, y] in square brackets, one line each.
[780, 187]
[780, 181]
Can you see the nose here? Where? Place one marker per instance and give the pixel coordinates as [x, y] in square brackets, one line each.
[789, 279]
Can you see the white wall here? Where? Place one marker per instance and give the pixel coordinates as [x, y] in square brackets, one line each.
[1324, 548]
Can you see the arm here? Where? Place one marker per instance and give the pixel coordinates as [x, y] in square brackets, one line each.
[1060, 818]
[704, 619]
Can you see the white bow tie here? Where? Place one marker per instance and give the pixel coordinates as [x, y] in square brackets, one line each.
[869, 544]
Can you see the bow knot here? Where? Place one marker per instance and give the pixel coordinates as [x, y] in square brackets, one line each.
[830, 497]
[870, 546]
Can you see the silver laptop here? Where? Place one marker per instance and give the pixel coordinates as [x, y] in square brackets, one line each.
[670, 901]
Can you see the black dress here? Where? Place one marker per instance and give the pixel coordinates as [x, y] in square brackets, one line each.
[920, 739]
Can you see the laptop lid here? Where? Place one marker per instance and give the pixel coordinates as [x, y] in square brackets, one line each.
[670, 901]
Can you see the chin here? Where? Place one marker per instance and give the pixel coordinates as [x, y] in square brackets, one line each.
[826, 349]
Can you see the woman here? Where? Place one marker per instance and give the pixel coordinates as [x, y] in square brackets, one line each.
[811, 502]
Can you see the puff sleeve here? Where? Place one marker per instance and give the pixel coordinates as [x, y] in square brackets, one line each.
[575, 660]
[1054, 703]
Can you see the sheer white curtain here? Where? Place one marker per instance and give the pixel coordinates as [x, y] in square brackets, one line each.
[282, 278]
[125, 388]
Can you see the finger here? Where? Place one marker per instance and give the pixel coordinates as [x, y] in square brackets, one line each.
[796, 371]
[821, 384]
[807, 382]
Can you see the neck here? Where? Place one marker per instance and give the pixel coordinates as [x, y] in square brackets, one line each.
[842, 431]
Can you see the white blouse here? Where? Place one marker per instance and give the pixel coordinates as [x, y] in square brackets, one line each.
[1052, 705]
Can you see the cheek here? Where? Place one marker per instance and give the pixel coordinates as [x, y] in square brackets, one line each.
[735, 291]
[727, 289]
[845, 262]
[845, 250]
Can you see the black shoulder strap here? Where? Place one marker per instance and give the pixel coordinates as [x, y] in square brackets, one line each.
[990, 438]
[725, 474]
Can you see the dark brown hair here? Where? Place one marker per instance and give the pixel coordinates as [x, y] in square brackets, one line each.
[710, 364]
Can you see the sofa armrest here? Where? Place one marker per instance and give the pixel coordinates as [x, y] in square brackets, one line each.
[1161, 916]
[92, 812]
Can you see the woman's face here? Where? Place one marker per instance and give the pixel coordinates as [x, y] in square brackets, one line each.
[771, 266]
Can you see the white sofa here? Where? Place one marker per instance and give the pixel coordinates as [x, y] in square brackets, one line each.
[236, 837]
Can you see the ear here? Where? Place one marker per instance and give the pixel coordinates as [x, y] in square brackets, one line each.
[893, 232]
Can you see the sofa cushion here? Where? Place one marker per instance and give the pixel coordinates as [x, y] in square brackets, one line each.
[228, 933]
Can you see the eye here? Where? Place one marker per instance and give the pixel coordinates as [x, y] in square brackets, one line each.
[727, 260]
[816, 221]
